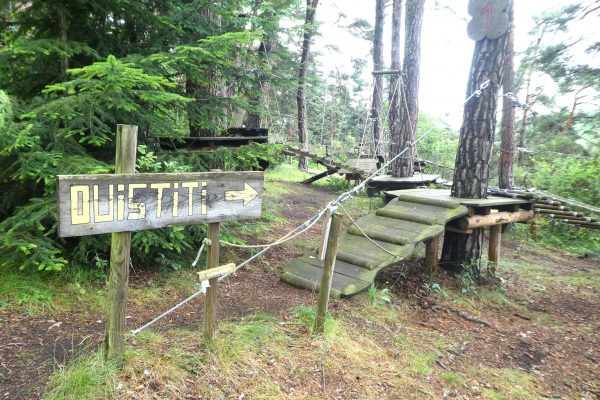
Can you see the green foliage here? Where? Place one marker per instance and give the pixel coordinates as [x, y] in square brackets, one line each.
[468, 281]
[572, 177]
[379, 297]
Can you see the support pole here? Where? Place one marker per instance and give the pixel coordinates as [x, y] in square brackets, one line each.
[212, 261]
[324, 235]
[495, 239]
[328, 264]
[120, 247]
[431, 255]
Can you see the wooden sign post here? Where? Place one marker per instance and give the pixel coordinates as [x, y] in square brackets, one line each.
[126, 202]
[120, 246]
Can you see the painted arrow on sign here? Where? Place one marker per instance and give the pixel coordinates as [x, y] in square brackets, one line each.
[247, 195]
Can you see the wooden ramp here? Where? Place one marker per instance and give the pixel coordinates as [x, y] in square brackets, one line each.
[398, 228]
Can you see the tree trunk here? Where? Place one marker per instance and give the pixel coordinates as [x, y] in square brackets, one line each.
[254, 119]
[409, 89]
[378, 65]
[311, 10]
[523, 132]
[394, 91]
[475, 147]
[507, 144]
[62, 27]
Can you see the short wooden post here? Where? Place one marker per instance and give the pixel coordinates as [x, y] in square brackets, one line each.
[431, 254]
[114, 341]
[210, 304]
[325, 289]
[495, 239]
[324, 235]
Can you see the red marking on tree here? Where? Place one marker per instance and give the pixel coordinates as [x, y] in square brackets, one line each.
[488, 11]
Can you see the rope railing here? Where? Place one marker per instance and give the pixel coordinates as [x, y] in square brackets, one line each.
[302, 228]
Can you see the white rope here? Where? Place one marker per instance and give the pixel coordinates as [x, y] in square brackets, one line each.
[295, 232]
[363, 232]
[205, 241]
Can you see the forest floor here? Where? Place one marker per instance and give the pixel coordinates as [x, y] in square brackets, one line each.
[531, 332]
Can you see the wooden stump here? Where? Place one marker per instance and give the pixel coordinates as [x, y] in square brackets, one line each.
[431, 255]
[495, 239]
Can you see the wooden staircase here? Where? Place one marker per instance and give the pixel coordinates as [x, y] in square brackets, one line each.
[398, 228]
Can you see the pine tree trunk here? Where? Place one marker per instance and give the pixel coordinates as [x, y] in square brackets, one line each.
[409, 89]
[507, 144]
[62, 27]
[475, 147]
[378, 84]
[311, 10]
[254, 119]
[394, 90]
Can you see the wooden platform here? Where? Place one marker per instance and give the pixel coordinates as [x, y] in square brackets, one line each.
[388, 182]
[444, 195]
[398, 228]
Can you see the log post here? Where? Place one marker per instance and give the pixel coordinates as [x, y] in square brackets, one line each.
[494, 249]
[120, 247]
[431, 255]
[210, 304]
[328, 264]
[324, 235]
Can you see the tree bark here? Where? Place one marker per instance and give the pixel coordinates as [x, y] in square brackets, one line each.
[507, 143]
[378, 65]
[475, 147]
[311, 10]
[409, 89]
[62, 27]
[394, 90]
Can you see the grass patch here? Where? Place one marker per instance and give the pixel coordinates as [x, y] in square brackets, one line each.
[507, 383]
[453, 378]
[40, 294]
[87, 377]
[288, 172]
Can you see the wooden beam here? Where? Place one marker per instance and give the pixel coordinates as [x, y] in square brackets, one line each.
[329, 171]
[210, 304]
[120, 247]
[480, 221]
[494, 245]
[325, 288]
[431, 255]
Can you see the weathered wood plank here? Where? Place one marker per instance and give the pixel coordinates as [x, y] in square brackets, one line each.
[93, 204]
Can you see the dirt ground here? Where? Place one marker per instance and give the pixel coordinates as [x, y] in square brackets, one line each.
[550, 330]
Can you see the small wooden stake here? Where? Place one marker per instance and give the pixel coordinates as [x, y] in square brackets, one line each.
[114, 341]
[324, 235]
[431, 254]
[495, 239]
[328, 264]
[210, 304]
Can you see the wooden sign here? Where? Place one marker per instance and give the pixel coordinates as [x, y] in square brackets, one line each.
[490, 19]
[93, 204]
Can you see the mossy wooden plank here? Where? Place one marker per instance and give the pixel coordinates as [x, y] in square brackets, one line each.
[436, 202]
[408, 216]
[308, 276]
[387, 235]
[343, 268]
[402, 225]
